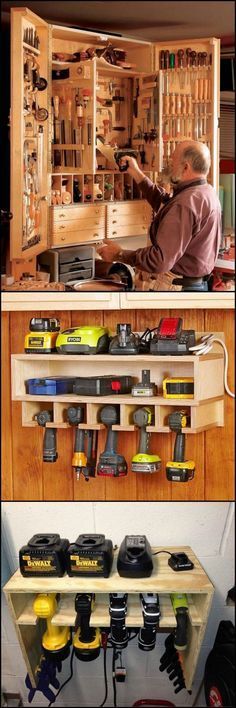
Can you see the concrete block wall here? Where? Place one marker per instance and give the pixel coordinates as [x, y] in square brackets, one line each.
[208, 527]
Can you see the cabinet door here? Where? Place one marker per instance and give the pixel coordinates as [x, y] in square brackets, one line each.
[29, 134]
[189, 108]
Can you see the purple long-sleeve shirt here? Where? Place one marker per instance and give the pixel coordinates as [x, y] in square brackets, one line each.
[185, 233]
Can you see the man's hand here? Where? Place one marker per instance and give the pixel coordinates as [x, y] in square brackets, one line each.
[133, 169]
[108, 251]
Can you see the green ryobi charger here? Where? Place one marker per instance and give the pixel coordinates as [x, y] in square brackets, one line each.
[83, 340]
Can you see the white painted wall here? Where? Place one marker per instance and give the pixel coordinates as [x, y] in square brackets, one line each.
[208, 527]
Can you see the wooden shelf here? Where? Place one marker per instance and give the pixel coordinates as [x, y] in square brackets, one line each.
[162, 580]
[205, 409]
[20, 594]
[64, 302]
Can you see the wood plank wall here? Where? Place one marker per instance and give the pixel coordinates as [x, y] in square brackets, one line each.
[26, 477]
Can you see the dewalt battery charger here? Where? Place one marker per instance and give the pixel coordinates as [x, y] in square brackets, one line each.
[90, 555]
[42, 336]
[44, 556]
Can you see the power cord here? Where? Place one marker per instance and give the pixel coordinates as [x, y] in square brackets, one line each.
[67, 680]
[204, 346]
[105, 676]
[156, 553]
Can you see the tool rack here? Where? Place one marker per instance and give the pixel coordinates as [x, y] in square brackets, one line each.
[20, 594]
[143, 106]
[206, 408]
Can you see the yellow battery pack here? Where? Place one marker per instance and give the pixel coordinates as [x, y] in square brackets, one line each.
[178, 387]
[41, 339]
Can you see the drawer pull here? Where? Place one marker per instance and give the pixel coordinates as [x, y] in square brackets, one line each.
[114, 222]
[96, 211]
[63, 238]
[96, 223]
[114, 210]
[62, 227]
[114, 233]
[62, 216]
[95, 236]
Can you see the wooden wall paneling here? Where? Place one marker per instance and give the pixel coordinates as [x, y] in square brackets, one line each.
[193, 490]
[58, 476]
[219, 458]
[6, 413]
[123, 488]
[27, 448]
[94, 490]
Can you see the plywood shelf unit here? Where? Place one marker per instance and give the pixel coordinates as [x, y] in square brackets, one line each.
[205, 409]
[20, 594]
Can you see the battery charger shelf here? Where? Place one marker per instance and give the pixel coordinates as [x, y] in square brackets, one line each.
[20, 593]
[206, 408]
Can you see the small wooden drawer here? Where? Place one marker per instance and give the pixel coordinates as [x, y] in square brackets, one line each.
[80, 225]
[121, 208]
[69, 213]
[116, 231]
[67, 237]
[127, 219]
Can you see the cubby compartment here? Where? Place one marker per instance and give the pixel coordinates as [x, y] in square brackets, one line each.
[31, 408]
[21, 592]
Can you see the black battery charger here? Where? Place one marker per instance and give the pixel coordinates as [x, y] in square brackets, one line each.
[180, 561]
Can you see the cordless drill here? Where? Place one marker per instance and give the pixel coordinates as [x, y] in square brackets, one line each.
[81, 462]
[143, 461]
[56, 640]
[87, 640]
[50, 436]
[179, 469]
[111, 464]
[180, 606]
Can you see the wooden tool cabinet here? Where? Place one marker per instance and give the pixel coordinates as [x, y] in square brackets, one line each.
[59, 171]
[206, 408]
[20, 594]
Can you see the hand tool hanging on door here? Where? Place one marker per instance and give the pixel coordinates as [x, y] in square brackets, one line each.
[179, 469]
[56, 641]
[117, 99]
[135, 100]
[87, 640]
[68, 134]
[110, 463]
[49, 441]
[57, 154]
[79, 130]
[83, 462]
[171, 662]
[143, 461]
[151, 616]
[180, 606]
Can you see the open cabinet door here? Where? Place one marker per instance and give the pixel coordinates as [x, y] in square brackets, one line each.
[30, 116]
[189, 105]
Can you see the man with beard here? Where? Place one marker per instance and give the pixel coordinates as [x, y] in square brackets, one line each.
[185, 233]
